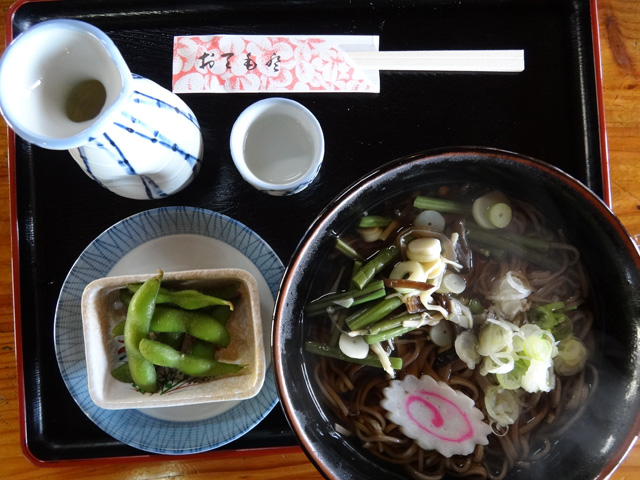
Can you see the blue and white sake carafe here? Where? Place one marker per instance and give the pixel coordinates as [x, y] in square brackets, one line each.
[65, 86]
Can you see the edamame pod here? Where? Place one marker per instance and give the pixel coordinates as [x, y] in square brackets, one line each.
[187, 299]
[208, 326]
[203, 349]
[122, 373]
[221, 313]
[118, 329]
[136, 328]
[198, 324]
[165, 356]
[173, 339]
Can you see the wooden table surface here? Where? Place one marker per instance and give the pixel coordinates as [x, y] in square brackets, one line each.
[619, 22]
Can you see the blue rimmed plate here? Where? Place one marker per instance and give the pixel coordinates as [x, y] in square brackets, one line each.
[170, 238]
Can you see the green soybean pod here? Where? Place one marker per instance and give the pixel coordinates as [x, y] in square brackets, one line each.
[136, 328]
[203, 349]
[229, 291]
[125, 296]
[118, 329]
[173, 339]
[122, 373]
[209, 326]
[187, 299]
[221, 313]
[165, 356]
[199, 324]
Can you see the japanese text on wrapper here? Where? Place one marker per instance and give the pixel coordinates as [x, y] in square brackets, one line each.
[233, 63]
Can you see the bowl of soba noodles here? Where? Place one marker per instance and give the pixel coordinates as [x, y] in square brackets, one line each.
[462, 314]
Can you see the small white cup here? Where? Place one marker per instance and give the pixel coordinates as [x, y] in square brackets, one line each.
[277, 146]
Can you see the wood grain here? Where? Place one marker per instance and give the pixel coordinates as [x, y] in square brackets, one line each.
[619, 23]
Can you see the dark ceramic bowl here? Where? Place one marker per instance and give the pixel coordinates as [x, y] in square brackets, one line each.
[594, 445]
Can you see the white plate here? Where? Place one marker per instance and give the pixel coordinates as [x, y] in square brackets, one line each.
[171, 238]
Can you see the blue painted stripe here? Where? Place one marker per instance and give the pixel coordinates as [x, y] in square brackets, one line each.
[162, 104]
[152, 188]
[85, 160]
[161, 140]
[122, 160]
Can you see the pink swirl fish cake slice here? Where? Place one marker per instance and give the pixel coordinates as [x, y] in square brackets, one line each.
[436, 416]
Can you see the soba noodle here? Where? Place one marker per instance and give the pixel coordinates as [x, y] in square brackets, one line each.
[354, 392]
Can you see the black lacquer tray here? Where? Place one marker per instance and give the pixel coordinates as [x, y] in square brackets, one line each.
[550, 111]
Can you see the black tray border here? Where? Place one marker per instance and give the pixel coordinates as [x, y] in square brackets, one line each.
[16, 148]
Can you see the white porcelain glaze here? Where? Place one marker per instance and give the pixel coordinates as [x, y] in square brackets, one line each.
[277, 145]
[144, 143]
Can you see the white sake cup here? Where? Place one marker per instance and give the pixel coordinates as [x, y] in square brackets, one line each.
[277, 146]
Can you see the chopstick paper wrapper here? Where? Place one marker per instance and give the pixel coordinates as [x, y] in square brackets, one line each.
[302, 63]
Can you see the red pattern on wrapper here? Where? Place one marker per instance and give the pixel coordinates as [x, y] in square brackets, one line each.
[252, 63]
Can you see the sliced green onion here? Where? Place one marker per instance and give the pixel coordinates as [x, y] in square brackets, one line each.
[452, 282]
[475, 306]
[502, 405]
[371, 234]
[572, 355]
[466, 347]
[500, 215]
[552, 317]
[430, 219]
[513, 379]
[508, 381]
[539, 377]
[543, 317]
[492, 210]
[538, 348]
[563, 329]
[442, 333]
[494, 338]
